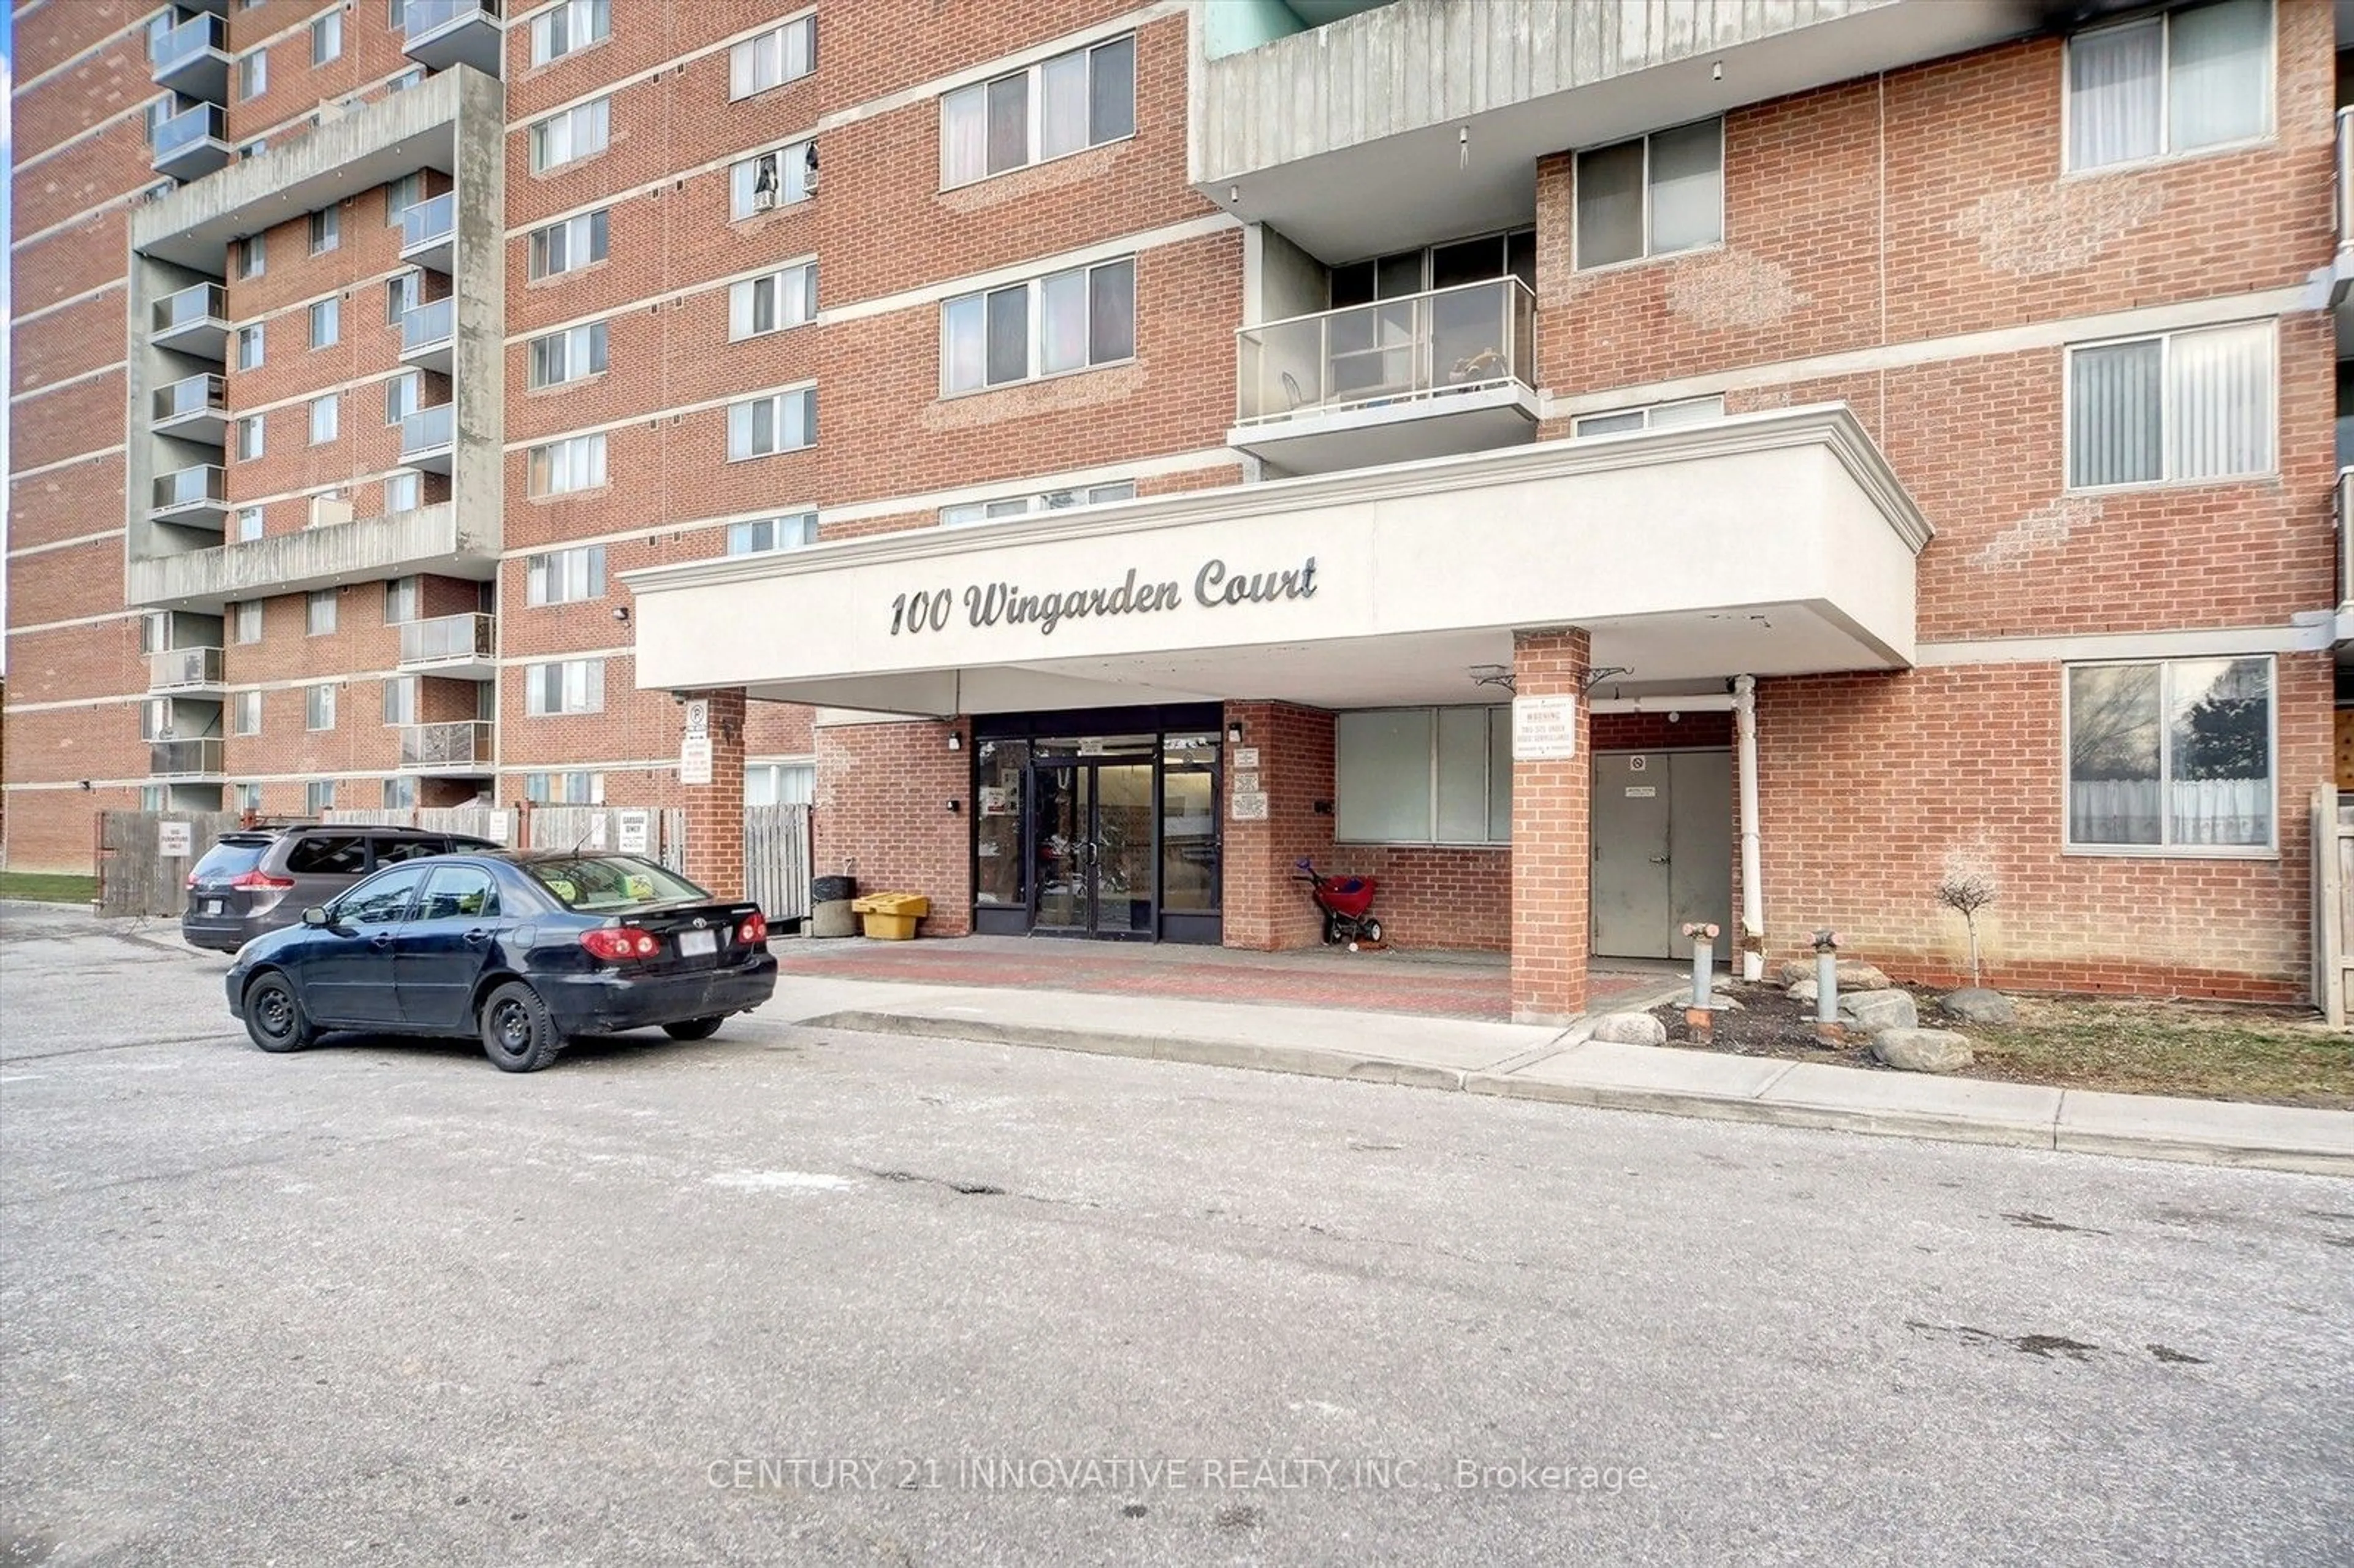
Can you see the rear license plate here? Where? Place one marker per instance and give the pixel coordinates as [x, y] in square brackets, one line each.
[693, 943]
[212, 906]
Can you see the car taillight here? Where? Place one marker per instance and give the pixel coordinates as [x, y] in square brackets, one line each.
[261, 881]
[752, 931]
[619, 945]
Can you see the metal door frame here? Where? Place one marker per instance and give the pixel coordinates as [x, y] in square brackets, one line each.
[1093, 931]
[1653, 751]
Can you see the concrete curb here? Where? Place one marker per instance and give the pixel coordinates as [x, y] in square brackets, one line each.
[2138, 1127]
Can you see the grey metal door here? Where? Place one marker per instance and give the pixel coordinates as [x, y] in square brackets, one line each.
[1700, 846]
[1632, 856]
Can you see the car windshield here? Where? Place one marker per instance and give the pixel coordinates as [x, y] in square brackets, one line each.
[229, 858]
[611, 881]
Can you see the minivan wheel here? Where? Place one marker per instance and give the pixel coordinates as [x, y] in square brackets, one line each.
[518, 1034]
[694, 1028]
[274, 1017]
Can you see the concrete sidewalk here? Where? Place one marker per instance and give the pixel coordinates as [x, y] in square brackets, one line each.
[1564, 1064]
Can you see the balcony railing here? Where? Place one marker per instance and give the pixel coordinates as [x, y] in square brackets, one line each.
[2345, 535]
[176, 47]
[197, 759]
[427, 326]
[466, 744]
[427, 430]
[196, 305]
[1418, 346]
[425, 17]
[170, 668]
[204, 486]
[206, 394]
[189, 127]
[429, 223]
[447, 639]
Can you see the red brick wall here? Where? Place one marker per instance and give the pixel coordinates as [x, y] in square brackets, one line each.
[1265, 910]
[714, 812]
[1654, 732]
[1551, 807]
[882, 814]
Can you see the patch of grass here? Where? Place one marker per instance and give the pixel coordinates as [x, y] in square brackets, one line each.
[2170, 1048]
[47, 887]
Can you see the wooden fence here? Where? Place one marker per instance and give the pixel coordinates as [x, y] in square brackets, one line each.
[2333, 904]
[136, 877]
[475, 821]
[657, 833]
[776, 861]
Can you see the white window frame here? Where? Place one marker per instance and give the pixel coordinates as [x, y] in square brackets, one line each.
[745, 59]
[549, 359]
[585, 23]
[1034, 104]
[573, 576]
[1713, 405]
[791, 294]
[403, 292]
[255, 338]
[579, 684]
[578, 461]
[2167, 479]
[398, 701]
[561, 789]
[326, 229]
[314, 623]
[2168, 153]
[400, 194]
[978, 513]
[404, 600]
[252, 257]
[1496, 714]
[252, 438]
[253, 74]
[1035, 322]
[319, 707]
[327, 36]
[2269, 850]
[743, 537]
[245, 713]
[327, 418]
[326, 322]
[319, 796]
[569, 136]
[587, 234]
[401, 480]
[1649, 253]
[247, 526]
[792, 167]
[741, 416]
[402, 393]
[399, 793]
[245, 798]
[413, 77]
[245, 624]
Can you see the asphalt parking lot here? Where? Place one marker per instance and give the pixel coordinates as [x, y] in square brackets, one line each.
[811, 1296]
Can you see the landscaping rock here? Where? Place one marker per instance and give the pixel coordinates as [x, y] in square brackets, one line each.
[1977, 1004]
[1793, 970]
[1922, 1050]
[1853, 975]
[1720, 1003]
[1630, 1029]
[1873, 1011]
[1804, 990]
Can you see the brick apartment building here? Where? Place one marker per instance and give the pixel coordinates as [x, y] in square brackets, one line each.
[1594, 465]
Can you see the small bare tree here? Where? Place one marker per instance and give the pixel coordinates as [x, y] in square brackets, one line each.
[1966, 892]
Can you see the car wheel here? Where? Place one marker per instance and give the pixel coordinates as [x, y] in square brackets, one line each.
[275, 1018]
[518, 1034]
[693, 1029]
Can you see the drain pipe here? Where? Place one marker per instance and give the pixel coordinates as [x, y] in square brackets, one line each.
[1752, 893]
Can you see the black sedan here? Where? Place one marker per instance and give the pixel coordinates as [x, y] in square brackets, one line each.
[521, 948]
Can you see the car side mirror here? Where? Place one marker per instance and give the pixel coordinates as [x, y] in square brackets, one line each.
[314, 915]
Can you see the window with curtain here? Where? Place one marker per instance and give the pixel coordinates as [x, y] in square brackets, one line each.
[1651, 417]
[326, 323]
[1424, 776]
[400, 195]
[566, 687]
[244, 714]
[1066, 321]
[570, 245]
[404, 491]
[2181, 406]
[569, 25]
[777, 56]
[562, 467]
[571, 134]
[2198, 77]
[400, 396]
[318, 797]
[782, 299]
[401, 699]
[246, 624]
[319, 612]
[763, 535]
[1059, 106]
[971, 512]
[780, 783]
[2172, 755]
[319, 707]
[778, 177]
[327, 418]
[1654, 195]
[568, 355]
[782, 423]
[402, 600]
[565, 576]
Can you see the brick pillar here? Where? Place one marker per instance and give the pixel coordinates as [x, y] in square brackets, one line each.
[1552, 857]
[714, 812]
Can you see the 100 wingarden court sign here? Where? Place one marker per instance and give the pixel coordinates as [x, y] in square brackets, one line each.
[1215, 586]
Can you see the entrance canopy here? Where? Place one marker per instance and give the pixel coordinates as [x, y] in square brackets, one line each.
[1774, 543]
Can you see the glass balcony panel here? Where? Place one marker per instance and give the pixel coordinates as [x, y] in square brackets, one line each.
[174, 667]
[185, 759]
[465, 744]
[201, 303]
[1417, 347]
[191, 486]
[429, 222]
[428, 324]
[194, 395]
[445, 638]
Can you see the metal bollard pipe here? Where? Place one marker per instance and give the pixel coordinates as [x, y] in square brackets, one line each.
[1827, 1015]
[1704, 941]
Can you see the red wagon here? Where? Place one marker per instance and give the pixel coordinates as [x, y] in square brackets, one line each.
[1347, 903]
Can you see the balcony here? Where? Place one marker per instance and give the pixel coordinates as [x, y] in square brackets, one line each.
[194, 320]
[443, 33]
[430, 541]
[192, 59]
[2346, 555]
[191, 497]
[462, 749]
[1428, 374]
[194, 409]
[428, 437]
[193, 142]
[429, 232]
[184, 670]
[197, 759]
[2341, 285]
[428, 335]
[457, 646]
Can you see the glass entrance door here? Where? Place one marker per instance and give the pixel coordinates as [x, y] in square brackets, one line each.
[1094, 830]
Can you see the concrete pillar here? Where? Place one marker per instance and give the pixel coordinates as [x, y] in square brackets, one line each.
[1552, 855]
[714, 812]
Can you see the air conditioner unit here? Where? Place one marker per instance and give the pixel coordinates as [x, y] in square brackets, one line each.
[329, 511]
[763, 200]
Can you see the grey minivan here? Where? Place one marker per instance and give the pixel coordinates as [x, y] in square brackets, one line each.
[260, 879]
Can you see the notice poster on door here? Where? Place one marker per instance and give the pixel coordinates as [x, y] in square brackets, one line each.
[1545, 729]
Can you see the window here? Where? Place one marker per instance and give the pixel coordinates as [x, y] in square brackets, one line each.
[778, 177]
[249, 525]
[413, 77]
[244, 714]
[396, 14]
[318, 708]
[565, 577]
[326, 229]
[403, 292]
[568, 247]
[767, 534]
[382, 900]
[401, 598]
[319, 612]
[781, 784]
[253, 256]
[156, 719]
[2187, 406]
[251, 432]
[972, 512]
[458, 893]
[1655, 196]
[1653, 417]
[253, 74]
[1063, 105]
[401, 699]
[780, 300]
[399, 794]
[1068, 321]
[326, 416]
[318, 800]
[400, 195]
[252, 346]
[2171, 755]
[784, 422]
[154, 632]
[245, 623]
[573, 134]
[160, 109]
[1424, 776]
[564, 788]
[568, 355]
[326, 323]
[562, 467]
[400, 396]
[326, 37]
[779, 56]
[403, 492]
[569, 25]
[245, 799]
[568, 686]
[2198, 77]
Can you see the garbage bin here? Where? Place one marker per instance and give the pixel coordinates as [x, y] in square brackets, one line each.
[892, 917]
[830, 913]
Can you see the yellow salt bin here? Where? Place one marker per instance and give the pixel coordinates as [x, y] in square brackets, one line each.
[891, 916]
